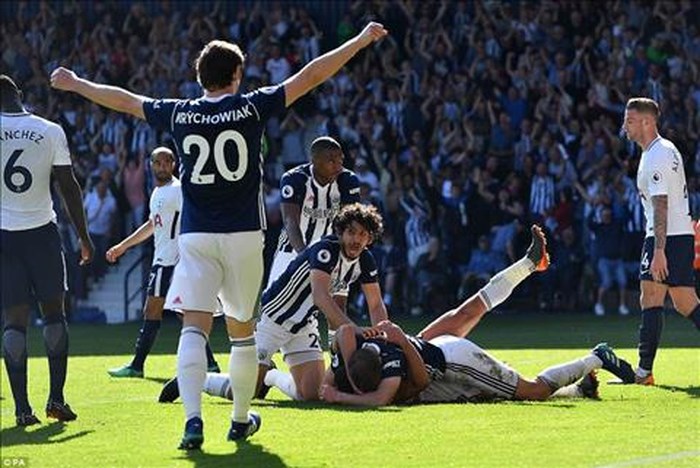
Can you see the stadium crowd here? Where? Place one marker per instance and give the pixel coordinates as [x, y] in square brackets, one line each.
[471, 121]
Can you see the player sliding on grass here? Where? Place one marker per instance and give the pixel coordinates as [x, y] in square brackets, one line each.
[317, 279]
[441, 365]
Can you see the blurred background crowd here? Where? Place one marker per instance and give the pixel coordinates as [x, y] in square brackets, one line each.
[472, 121]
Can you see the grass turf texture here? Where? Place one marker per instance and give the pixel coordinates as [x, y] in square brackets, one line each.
[121, 424]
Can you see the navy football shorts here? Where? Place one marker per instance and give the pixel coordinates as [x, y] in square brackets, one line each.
[32, 266]
[680, 252]
[159, 280]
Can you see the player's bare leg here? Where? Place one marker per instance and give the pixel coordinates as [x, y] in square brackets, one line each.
[56, 343]
[14, 349]
[301, 383]
[463, 319]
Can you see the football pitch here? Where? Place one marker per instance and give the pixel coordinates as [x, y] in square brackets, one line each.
[120, 423]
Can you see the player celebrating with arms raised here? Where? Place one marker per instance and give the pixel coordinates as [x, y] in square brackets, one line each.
[218, 140]
[667, 256]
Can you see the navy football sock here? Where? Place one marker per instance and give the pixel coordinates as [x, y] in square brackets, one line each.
[650, 336]
[56, 342]
[695, 316]
[14, 350]
[144, 343]
[211, 360]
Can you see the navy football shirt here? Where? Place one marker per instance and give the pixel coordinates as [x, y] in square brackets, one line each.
[219, 144]
[393, 362]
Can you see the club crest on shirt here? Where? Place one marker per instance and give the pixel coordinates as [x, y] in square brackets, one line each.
[287, 191]
[323, 256]
[656, 177]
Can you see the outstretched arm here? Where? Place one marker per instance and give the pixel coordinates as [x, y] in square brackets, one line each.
[320, 289]
[141, 234]
[375, 303]
[112, 97]
[321, 68]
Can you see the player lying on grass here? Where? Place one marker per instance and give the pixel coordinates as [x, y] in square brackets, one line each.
[441, 365]
[317, 279]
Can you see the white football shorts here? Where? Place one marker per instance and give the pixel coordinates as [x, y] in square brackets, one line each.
[297, 348]
[227, 265]
[475, 374]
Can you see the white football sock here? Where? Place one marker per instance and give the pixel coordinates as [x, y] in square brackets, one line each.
[243, 374]
[570, 391]
[218, 385]
[568, 373]
[191, 369]
[282, 380]
[502, 284]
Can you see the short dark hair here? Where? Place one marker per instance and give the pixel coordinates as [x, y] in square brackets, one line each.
[322, 145]
[9, 91]
[366, 216]
[216, 64]
[365, 369]
[644, 105]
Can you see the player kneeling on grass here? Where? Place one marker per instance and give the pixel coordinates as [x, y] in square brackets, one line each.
[317, 279]
[440, 365]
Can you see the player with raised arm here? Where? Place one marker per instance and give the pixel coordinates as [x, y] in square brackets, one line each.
[666, 266]
[164, 225]
[314, 281]
[33, 149]
[218, 140]
[441, 365]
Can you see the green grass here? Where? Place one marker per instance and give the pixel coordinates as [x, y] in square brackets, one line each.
[121, 424]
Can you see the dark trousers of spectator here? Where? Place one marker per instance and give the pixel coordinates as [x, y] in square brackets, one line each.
[76, 276]
[99, 263]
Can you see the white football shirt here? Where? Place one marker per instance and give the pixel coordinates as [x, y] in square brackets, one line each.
[30, 147]
[166, 206]
[661, 173]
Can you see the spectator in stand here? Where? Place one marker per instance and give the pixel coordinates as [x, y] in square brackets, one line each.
[100, 208]
[559, 72]
[133, 185]
[608, 238]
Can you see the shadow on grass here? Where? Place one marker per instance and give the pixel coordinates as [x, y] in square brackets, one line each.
[158, 380]
[48, 434]
[311, 405]
[693, 391]
[246, 454]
